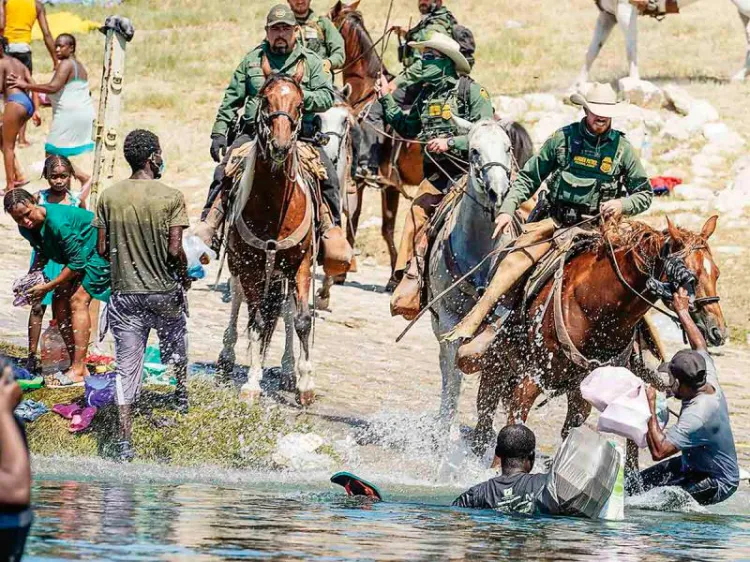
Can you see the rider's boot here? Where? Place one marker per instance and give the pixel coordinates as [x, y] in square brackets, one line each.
[337, 253]
[207, 229]
[406, 300]
[470, 356]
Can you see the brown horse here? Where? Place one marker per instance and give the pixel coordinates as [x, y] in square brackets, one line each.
[600, 313]
[271, 245]
[360, 73]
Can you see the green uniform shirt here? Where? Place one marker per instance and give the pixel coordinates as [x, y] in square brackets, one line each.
[440, 21]
[137, 216]
[248, 79]
[318, 34]
[430, 115]
[68, 237]
[553, 158]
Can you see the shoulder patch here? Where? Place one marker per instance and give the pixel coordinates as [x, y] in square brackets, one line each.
[484, 93]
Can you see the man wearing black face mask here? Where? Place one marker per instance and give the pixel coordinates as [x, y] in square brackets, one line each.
[707, 468]
[140, 223]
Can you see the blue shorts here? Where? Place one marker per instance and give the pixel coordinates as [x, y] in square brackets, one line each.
[22, 99]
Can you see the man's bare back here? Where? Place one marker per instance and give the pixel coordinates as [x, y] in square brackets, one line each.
[8, 66]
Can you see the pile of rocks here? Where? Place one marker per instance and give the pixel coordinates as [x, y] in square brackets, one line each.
[676, 134]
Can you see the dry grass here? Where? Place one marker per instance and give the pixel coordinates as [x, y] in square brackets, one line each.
[185, 51]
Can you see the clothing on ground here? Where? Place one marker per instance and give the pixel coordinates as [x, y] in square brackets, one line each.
[68, 237]
[53, 269]
[703, 433]
[72, 118]
[137, 216]
[517, 493]
[131, 319]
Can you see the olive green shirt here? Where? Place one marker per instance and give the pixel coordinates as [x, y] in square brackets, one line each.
[137, 216]
[553, 157]
[440, 21]
[318, 34]
[248, 79]
[411, 125]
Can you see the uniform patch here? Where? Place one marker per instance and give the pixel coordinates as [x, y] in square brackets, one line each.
[446, 112]
[588, 162]
[280, 13]
[435, 110]
[484, 93]
[606, 166]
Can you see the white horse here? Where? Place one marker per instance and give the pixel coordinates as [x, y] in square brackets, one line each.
[625, 14]
[462, 242]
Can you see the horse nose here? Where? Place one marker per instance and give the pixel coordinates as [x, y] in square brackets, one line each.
[717, 335]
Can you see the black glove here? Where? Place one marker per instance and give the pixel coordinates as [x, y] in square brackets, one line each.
[679, 275]
[218, 147]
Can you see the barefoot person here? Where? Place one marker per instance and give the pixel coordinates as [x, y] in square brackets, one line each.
[707, 468]
[140, 223]
[66, 235]
[72, 111]
[19, 108]
[58, 171]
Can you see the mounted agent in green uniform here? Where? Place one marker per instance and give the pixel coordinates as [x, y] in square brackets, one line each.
[283, 52]
[590, 168]
[448, 92]
[318, 34]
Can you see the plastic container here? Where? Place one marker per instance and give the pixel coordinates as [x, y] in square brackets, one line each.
[54, 352]
[606, 384]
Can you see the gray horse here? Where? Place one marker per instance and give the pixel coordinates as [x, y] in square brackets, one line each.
[466, 238]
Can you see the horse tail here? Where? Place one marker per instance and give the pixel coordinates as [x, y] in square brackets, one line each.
[520, 140]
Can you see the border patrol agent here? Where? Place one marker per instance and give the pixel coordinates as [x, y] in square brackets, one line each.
[242, 94]
[318, 34]
[449, 91]
[590, 168]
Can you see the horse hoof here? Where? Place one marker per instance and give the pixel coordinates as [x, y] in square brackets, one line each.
[249, 396]
[306, 398]
[322, 303]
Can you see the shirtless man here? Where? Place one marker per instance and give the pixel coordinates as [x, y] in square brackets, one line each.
[19, 108]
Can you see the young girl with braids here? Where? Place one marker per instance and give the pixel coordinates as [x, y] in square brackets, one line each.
[58, 171]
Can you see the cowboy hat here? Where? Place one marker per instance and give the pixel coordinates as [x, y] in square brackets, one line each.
[600, 99]
[447, 46]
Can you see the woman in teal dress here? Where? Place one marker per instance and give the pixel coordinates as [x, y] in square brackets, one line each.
[58, 171]
[66, 235]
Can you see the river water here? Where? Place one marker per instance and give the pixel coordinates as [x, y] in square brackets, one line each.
[105, 511]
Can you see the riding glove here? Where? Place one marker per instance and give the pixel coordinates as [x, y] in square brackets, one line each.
[218, 147]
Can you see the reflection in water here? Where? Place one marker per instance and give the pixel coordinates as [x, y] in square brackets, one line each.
[204, 522]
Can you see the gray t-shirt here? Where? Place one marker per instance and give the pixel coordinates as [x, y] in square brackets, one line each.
[704, 435]
[518, 493]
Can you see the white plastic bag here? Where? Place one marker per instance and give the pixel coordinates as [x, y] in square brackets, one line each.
[605, 384]
[628, 416]
[614, 509]
[196, 251]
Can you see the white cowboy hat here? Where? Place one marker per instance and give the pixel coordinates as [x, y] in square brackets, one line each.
[447, 46]
[600, 99]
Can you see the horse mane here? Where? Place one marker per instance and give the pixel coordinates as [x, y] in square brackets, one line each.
[365, 44]
[644, 241]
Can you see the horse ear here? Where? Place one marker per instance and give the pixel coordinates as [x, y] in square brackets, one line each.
[265, 66]
[709, 227]
[674, 232]
[335, 11]
[299, 72]
[353, 5]
[346, 91]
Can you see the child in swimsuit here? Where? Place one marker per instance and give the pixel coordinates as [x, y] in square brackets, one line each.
[19, 108]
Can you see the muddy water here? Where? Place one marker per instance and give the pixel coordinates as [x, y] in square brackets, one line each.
[250, 517]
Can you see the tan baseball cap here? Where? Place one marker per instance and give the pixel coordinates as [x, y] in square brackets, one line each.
[280, 13]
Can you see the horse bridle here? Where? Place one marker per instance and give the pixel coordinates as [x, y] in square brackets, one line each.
[478, 172]
[263, 120]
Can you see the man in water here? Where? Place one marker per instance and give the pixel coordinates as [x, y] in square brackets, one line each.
[516, 490]
[707, 468]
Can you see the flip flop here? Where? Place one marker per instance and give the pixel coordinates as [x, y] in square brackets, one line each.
[82, 420]
[63, 381]
[31, 384]
[66, 410]
[356, 486]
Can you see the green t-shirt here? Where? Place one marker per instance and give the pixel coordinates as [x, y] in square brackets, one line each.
[137, 216]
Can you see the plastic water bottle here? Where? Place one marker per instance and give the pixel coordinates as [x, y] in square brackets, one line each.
[54, 352]
[646, 151]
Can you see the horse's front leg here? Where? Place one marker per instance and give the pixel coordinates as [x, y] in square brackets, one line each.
[323, 298]
[578, 411]
[627, 19]
[250, 391]
[605, 23]
[288, 362]
[227, 357]
[303, 325]
[488, 397]
[390, 200]
[452, 378]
